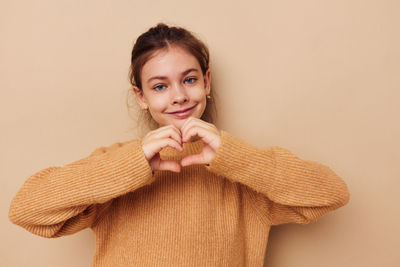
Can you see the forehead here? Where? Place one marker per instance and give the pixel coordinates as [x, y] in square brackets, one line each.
[170, 61]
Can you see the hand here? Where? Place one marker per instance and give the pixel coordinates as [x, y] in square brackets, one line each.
[210, 136]
[155, 141]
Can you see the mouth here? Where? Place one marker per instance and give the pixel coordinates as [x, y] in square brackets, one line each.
[183, 113]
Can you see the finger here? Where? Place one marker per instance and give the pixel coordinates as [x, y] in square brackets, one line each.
[164, 142]
[169, 165]
[197, 123]
[152, 147]
[189, 123]
[188, 120]
[173, 133]
[189, 134]
[190, 131]
[193, 159]
[167, 131]
[206, 135]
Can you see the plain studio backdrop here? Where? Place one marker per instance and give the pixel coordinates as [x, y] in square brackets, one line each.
[320, 78]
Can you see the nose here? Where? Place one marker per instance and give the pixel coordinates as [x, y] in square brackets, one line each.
[178, 95]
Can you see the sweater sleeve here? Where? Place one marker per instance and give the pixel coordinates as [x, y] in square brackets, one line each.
[286, 189]
[59, 201]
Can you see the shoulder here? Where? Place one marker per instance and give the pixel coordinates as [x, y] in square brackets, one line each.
[112, 147]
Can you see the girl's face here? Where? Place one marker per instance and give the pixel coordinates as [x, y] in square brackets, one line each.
[173, 87]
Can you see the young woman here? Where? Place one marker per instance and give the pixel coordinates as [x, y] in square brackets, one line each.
[187, 193]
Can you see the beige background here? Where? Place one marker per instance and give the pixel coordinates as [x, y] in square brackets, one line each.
[320, 78]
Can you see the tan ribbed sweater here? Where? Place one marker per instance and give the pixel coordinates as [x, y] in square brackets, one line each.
[216, 215]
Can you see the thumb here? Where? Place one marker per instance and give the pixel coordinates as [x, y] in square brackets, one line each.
[193, 159]
[169, 165]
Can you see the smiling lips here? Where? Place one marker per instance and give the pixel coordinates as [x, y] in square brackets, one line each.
[182, 114]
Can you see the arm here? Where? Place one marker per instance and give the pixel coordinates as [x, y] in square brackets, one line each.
[59, 201]
[289, 189]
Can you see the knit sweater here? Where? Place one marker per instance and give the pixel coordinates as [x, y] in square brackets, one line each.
[207, 215]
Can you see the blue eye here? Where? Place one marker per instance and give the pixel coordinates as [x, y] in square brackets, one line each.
[190, 80]
[159, 87]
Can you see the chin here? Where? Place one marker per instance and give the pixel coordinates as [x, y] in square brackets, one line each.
[179, 123]
[176, 123]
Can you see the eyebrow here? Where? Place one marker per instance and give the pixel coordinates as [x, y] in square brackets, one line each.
[164, 77]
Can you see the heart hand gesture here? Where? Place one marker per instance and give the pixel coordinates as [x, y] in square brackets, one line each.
[155, 141]
[171, 136]
[210, 136]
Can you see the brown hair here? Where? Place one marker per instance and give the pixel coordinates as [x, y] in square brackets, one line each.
[161, 37]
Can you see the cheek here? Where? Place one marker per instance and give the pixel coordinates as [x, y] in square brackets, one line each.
[198, 95]
[158, 104]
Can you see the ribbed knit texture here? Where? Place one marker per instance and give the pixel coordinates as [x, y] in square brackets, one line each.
[216, 215]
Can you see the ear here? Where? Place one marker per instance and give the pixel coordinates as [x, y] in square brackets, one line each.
[140, 97]
[207, 81]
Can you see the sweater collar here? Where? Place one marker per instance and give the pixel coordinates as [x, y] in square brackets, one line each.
[189, 148]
